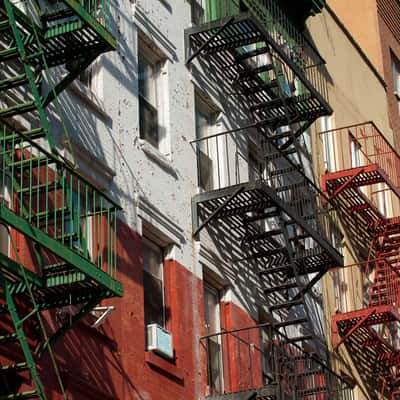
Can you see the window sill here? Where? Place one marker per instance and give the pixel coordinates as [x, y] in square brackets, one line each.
[162, 160]
[163, 365]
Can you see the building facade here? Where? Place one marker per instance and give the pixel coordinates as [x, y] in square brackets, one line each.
[173, 224]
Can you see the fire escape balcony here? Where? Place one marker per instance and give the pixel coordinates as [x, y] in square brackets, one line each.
[67, 219]
[362, 169]
[265, 58]
[259, 362]
[367, 301]
[262, 200]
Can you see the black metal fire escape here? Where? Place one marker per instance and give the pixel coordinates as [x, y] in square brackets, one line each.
[281, 220]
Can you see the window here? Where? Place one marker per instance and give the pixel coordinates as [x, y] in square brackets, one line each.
[148, 119]
[396, 78]
[205, 120]
[153, 283]
[151, 101]
[355, 151]
[198, 11]
[214, 347]
[328, 143]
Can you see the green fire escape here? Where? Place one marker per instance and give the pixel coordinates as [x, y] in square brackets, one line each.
[57, 230]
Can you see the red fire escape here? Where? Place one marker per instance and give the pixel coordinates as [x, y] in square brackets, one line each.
[363, 175]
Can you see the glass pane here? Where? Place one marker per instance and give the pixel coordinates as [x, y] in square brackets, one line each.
[153, 260]
[153, 300]
[148, 122]
[147, 81]
[211, 311]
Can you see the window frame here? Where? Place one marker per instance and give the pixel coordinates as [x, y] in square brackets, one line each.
[150, 55]
[210, 112]
[396, 78]
[146, 241]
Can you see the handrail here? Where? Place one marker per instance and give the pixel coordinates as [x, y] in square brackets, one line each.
[65, 165]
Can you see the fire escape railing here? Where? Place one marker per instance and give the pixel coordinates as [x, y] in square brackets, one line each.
[282, 31]
[354, 286]
[56, 199]
[264, 360]
[361, 145]
[223, 161]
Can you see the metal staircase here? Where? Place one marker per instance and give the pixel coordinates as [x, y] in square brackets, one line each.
[65, 226]
[281, 218]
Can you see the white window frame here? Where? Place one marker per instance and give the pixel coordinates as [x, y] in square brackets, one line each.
[328, 143]
[156, 247]
[205, 107]
[148, 52]
[214, 291]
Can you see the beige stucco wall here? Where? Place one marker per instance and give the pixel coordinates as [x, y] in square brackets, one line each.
[356, 95]
[361, 19]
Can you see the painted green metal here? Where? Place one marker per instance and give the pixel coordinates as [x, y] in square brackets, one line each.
[42, 197]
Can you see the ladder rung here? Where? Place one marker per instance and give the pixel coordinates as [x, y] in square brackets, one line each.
[13, 82]
[276, 269]
[18, 109]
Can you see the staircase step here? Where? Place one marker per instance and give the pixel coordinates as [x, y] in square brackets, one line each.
[253, 72]
[31, 394]
[8, 338]
[13, 82]
[9, 54]
[58, 267]
[263, 216]
[252, 53]
[283, 171]
[291, 322]
[279, 288]
[262, 87]
[262, 235]
[267, 104]
[31, 134]
[57, 15]
[6, 369]
[4, 25]
[299, 339]
[288, 304]
[17, 109]
[276, 269]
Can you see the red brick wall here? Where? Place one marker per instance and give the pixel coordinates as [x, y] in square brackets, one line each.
[110, 362]
[243, 370]
[389, 27]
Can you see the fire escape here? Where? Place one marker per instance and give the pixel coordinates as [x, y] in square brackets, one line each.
[270, 209]
[58, 231]
[363, 176]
